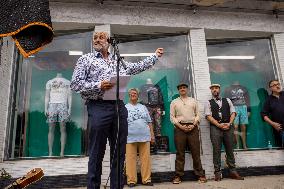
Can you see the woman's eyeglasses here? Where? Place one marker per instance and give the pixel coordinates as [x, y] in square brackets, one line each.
[274, 85]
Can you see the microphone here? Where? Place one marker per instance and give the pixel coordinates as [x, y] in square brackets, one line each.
[113, 41]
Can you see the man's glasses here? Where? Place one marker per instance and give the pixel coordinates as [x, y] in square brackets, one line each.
[274, 85]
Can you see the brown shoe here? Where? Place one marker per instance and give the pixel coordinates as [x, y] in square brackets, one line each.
[176, 180]
[236, 176]
[202, 179]
[218, 177]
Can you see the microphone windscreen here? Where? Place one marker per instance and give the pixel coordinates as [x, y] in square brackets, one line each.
[28, 22]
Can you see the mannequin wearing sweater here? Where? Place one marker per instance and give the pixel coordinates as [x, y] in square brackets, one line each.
[58, 100]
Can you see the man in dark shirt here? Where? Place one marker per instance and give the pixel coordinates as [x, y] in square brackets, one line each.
[273, 111]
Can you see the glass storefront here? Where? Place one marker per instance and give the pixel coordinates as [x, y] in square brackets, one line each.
[170, 70]
[244, 68]
[32, 130]
[32, 136]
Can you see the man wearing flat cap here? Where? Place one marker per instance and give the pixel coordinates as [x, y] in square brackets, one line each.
[184, 114]
[221, 113]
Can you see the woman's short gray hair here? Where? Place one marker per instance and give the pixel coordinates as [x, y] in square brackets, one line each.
[133, 89]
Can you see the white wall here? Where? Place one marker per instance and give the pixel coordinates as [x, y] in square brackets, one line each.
[6, 64]
[278, 41]
[153, 16]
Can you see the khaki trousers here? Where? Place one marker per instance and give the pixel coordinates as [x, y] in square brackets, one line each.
[131, 162]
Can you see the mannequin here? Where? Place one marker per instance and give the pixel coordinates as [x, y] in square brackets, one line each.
[240, 99]
[151, 96]
[58, 100]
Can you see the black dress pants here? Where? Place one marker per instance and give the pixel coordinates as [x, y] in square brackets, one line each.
[102, 120]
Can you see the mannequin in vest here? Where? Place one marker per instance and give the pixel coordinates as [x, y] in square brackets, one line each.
[58, 100]
[220, 113]
[151, 96]
[239, 96]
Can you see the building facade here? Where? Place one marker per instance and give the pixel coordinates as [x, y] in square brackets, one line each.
[224, 44]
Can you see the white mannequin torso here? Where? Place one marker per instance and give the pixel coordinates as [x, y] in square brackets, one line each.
[59, 90]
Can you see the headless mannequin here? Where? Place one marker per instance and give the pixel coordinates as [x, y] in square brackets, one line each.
[66, 99]
[243, 133]
[151, 97]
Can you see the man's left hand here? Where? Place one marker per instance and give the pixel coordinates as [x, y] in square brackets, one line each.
[159, 52]
[106, 85]
[190, 127]
[226, 126]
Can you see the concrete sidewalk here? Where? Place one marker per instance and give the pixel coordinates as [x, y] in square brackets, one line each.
[258, 182]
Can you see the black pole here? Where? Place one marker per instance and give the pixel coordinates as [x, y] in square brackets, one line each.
[118, 59]
[116, 55]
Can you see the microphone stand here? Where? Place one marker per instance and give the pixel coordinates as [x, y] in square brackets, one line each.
[119, 61]
[114, 44]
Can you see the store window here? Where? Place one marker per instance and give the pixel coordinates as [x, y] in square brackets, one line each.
[43, 79]
[244, 68]
[158, 85]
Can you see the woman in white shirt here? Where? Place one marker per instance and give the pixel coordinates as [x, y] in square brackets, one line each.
[140, 134]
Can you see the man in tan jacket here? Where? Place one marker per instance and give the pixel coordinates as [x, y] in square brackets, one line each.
[184, 114]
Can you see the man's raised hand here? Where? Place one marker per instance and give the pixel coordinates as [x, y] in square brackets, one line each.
[159, 52]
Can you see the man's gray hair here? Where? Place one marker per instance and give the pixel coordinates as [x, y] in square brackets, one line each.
[103, 33]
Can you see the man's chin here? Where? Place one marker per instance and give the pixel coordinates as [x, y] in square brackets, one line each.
[98, 49]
